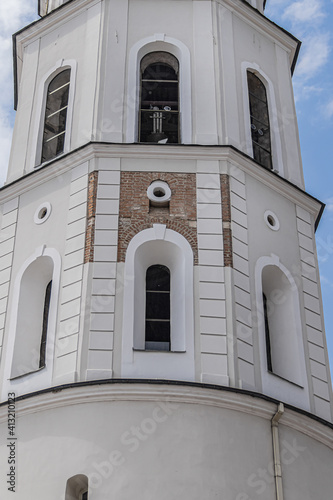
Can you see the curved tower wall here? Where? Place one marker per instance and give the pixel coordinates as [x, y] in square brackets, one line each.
[199, 416]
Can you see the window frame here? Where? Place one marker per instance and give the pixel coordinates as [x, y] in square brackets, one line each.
[158, 245]
[259, 119]
[158, 114]
[56, 111]
[274, 385]
[159, 43]
[39, 115]
[38, 378]
[158, 345]
[276, 148]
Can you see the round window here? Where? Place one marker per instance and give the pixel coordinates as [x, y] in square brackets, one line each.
[159, 193]
[271, 220]
[42, 213]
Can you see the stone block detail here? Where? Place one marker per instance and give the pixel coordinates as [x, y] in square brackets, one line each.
[72, 279]
[226, 220]
[7, 244]
[320, 376]
[213, 328]
[91, 214]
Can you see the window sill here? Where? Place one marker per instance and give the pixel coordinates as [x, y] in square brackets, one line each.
[28, 373]
[136, 349]
[285, 379]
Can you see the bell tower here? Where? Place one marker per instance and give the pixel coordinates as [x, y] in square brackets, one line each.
[160, 299]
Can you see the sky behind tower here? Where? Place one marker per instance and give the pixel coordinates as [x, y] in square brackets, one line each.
[311, 22]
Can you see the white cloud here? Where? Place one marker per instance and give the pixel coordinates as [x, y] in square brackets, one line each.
[315, 55]
[329, 204]
[325, 281]
[329, 114]
[14, 14]
[304, 11]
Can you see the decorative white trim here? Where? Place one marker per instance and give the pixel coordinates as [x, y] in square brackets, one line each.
[158, 245]
[273, 385]
[39, 379]
[159, 42]
[174, 152]
[276, 223]
[39, 218]
[180, 394]
[39, 114]
[162, 187]
[277, 159]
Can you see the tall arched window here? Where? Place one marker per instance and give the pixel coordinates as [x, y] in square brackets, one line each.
[260, 128]
[159, 99]
[267, 336]
[47, 300]
[55, 116]
[157, 336]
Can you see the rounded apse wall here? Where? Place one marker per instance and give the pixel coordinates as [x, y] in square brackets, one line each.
[164, 441]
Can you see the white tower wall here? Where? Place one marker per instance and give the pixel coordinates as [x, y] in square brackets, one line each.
[210, 416]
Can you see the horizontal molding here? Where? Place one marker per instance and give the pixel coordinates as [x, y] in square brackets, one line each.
[178, 392]
[226, 154]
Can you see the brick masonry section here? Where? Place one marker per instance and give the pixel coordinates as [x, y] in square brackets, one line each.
[91, 214]
[226, 220]
[136, 214]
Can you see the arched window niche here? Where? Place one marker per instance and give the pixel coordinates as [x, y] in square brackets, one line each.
[159, 98]
[158, 246]
[260, 121]
[55, 120]
[281, 345]
[52, 124]
[31, 339]
[157, 328]
[262, 131]
[175, 55]
[77, 488]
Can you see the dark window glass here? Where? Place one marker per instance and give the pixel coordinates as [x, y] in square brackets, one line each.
[159, 102]
[42, 357]
[158, 308]
[85, 496]
[260, 129]
[267, 336]
[55, 116]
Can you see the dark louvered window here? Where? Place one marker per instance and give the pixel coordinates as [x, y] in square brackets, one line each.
[260, 129]
[267, 336]
[42, 357]
[159, 100]
[157, 308]
[56, 116]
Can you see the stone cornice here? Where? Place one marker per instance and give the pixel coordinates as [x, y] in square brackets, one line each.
[227, 154]
[180, 393]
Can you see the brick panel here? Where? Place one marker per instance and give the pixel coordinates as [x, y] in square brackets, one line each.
[226, 220]
[136, 214]
[91, 214]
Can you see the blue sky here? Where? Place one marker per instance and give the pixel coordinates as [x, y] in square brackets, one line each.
[309, 20]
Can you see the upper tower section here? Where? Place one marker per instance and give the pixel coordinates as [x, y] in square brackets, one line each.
[47, 6]
[134, 71]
